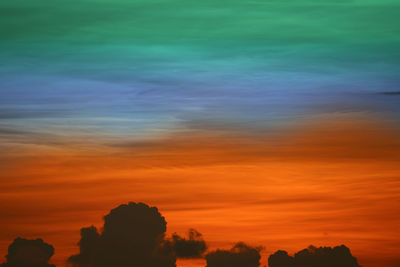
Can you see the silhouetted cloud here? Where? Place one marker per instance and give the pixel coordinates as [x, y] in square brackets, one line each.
[133, 235]
[339, 256]
[391, 93]
[193, 246]
[280, 259]
[88, 246]
[241, 255]
[29, 253]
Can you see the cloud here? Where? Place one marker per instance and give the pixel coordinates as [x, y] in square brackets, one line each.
[34, 113]
[391, 93]
[133, 235]
[339, 256]
[193, 246]
[241, 255]
[29, 253]
[88, 246]
[323, 138]
[280, 259]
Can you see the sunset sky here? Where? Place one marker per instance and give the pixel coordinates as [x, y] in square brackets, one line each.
[271, 122]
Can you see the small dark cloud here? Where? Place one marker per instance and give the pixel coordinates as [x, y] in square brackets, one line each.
[280, 259]
[88, 247]
[241, 255]
[193, 246]
[133, 235]
[391, 93]
[339, 256]
[29, 253]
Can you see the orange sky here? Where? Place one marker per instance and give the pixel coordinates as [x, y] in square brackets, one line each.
[330, 181]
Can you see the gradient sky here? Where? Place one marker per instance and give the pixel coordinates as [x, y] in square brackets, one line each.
[271, 122]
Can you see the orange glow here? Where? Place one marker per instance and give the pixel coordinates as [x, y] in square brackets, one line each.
[326, 183]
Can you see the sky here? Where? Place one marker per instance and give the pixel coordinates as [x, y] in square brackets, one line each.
[271, 122]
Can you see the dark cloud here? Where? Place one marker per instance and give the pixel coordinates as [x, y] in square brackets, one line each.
[391, 93]
[241, 255]
[193, 246]
[339, 256]
[133, 235]
[29, 253]
[88, 247]
[280, 259]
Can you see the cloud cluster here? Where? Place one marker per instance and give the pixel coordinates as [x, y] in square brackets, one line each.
[339, 256]
[241, 255]
[29, 253]
[134, 235]
[191, 247]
